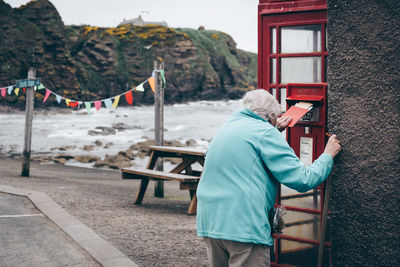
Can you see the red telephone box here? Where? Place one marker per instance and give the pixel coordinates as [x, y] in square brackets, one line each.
[292, 60]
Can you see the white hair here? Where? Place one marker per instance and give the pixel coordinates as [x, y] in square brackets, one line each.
[261, 103]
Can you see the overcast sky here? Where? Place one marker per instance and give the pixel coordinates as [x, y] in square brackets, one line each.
[238, 18]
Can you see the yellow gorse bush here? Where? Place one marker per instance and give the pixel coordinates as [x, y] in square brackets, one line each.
[151, 31]
[87, 29]
[215, 36]
[119, 32]
[154, 34]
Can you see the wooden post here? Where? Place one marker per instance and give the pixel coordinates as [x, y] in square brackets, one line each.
[29, 97]
[159, 122]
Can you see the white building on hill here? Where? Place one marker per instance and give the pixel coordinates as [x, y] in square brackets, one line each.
[140, 22]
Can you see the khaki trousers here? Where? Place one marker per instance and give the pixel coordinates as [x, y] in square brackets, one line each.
[223, 253]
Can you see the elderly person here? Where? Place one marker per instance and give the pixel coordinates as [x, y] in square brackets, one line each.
[244, 163]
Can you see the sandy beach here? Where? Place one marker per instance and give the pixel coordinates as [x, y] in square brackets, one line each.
[156, 233]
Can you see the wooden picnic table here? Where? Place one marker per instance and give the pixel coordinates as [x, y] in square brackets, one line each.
[183, 172]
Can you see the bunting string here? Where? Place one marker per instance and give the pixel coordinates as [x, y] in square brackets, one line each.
[111, 102]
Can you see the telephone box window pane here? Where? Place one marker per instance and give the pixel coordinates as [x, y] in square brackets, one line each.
[326, 39]
[273, 40]
[282, 92]
[273, 92]
[283, 99]
[301, 39]
[301, 70]
[273, 70]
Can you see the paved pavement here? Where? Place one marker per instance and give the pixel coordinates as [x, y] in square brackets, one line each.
[36, 231]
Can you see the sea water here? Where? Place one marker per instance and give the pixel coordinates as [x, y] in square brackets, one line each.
[57, 128]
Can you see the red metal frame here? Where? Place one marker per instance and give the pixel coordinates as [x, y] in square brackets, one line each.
[316, 92]
[277, 14]
[301, 240]
[279, 6]
[265, 24]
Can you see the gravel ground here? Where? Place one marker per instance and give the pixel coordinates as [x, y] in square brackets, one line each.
[156, 233]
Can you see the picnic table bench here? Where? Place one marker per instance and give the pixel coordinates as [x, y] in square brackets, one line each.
[182, 173]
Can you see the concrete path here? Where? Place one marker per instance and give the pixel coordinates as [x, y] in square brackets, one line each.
[156, 233]
[36, 231]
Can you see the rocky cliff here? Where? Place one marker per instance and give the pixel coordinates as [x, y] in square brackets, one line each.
[88, 63]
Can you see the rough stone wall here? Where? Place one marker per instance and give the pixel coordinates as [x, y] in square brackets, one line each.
[364, 103]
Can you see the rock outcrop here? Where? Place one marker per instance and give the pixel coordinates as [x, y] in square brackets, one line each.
[88, 63]
[122, 159]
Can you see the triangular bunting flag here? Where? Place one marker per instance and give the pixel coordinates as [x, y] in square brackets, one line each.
[140, 88]
[97, 104]
[152, 83]
[73, 104]
[88, 107]
[116, 100]
[162, 76]
[46, 95]
[129, 97]
[108, 103]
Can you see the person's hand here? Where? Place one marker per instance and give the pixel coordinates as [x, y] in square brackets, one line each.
[283, 122]
[333, 146]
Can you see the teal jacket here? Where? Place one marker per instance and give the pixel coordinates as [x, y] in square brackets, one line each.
[236, 192]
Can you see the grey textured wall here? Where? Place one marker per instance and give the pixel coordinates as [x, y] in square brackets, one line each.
[364, 103]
